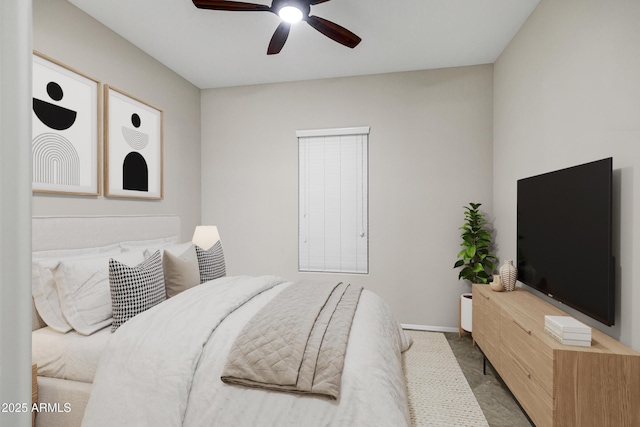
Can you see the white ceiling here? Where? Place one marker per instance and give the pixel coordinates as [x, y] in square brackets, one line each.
[219, 49]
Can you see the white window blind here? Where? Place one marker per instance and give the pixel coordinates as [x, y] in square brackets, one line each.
[333, 200]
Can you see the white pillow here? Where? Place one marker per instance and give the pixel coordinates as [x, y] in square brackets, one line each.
[43, 287]
[83, 289]
[137, 245]
[173, 249]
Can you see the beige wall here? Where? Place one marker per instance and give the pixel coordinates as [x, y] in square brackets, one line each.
[429, 154]
[567, 92]
[67, 34]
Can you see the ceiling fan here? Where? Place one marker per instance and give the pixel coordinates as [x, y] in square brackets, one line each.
[290, 11]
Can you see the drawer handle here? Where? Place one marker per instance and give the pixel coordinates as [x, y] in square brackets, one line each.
[528, 331]
[485, 296]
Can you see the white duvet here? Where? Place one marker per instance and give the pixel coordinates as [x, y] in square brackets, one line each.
[162, 368]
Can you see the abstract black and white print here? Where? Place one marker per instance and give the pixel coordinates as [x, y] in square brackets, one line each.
[55, 160]
[64, 129]
[134, 147]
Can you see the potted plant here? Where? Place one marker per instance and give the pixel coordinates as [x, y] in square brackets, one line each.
[475, 259]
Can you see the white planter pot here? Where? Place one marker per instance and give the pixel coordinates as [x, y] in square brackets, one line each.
[465, 311]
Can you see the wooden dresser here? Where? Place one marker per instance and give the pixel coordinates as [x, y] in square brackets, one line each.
[556, 384]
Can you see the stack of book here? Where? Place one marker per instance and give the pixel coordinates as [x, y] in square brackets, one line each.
[568, 330]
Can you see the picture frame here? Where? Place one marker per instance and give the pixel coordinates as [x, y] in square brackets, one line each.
[66, 129]
[134, 145]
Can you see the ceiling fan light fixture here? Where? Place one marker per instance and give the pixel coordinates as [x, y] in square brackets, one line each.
[290, 11]
[290, 14]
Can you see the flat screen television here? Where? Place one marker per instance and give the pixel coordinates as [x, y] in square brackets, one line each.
[564, 237]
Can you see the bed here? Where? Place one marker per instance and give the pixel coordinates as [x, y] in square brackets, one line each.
[165, 364]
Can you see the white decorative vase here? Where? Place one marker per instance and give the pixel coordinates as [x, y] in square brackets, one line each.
[509, 275]
[466, 306]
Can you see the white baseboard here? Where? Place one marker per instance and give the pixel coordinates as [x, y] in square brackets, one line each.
[429, 328]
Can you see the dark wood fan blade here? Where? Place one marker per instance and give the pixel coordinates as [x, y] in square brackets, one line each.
[334, 31]
[279, 38]
[312, 2]
[234, 6]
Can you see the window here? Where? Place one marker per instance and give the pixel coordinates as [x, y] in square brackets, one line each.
[333, 233]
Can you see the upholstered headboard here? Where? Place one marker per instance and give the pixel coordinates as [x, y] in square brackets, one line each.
[73, 232]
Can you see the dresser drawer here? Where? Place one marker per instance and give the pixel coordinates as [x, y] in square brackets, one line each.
[531, 395]
[488, 312]
[486, 326]
[491, 349]
[536, 357]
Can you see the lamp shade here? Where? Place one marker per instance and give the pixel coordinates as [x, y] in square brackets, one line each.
[205, 236]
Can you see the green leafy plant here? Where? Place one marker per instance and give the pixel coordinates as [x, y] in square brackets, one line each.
[475, 259]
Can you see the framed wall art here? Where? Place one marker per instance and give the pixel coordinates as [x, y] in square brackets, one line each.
[133, 146]
[65, 129]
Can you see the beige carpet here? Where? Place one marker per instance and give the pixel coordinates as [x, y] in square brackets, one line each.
[439, 394]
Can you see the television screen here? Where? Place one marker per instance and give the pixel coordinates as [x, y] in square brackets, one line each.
[564, 237]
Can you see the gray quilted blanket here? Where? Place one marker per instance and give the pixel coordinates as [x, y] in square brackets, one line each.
[297, 342]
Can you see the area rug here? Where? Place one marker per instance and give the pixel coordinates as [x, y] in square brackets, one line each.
[439, 394]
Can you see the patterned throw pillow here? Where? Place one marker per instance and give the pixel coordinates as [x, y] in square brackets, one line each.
[211, 262]
[135, 289]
